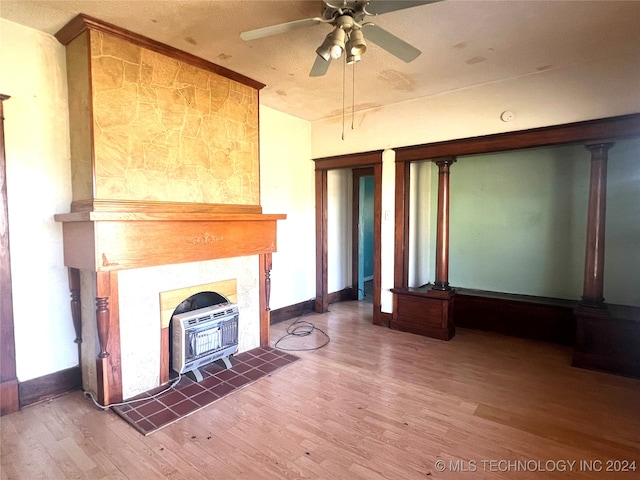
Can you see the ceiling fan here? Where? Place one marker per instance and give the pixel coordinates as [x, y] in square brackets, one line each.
[348, 21]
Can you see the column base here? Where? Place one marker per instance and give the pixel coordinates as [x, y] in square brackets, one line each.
[441, 287]
[593, 302]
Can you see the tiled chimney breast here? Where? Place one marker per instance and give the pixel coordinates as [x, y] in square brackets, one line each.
[162, 129]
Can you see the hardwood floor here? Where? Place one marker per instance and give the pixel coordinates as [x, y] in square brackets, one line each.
[373, 404]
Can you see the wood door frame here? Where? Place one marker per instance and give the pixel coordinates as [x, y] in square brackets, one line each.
[9, 399]
[322, 166]
[358, 173]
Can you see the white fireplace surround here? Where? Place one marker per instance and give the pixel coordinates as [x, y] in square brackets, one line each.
[139, 312]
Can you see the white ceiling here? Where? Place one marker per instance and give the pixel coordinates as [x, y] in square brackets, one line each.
[464, 43]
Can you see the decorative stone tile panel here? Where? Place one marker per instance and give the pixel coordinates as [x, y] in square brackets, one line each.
[166, 130]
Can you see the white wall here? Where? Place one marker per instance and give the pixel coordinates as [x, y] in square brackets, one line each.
[287, 186]
[421, 236]
[33, 73]
[339, 229]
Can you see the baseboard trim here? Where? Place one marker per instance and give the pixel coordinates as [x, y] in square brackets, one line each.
[343, 295]
[48, 386]
[299, 309]
[292, 311]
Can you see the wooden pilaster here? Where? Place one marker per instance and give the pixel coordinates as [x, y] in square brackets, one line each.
[76, 315]
[401, 242]
[322, 294]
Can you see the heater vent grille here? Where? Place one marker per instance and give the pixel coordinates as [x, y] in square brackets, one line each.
[204, 335]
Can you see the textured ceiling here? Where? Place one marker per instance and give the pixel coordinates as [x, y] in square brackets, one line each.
[464, 43]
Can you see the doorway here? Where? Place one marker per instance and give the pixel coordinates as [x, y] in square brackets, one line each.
[373, 161]
[363, 234]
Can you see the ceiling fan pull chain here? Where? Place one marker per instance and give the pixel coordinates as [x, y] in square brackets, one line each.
[344, 76]
[353, 97]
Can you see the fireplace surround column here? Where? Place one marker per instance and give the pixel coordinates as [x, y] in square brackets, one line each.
[265, 298]
[76, 315]
[108, 367]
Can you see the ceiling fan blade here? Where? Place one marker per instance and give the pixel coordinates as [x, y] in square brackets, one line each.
[391, 43]
[378, 7]
[320, 67]
[280, 28]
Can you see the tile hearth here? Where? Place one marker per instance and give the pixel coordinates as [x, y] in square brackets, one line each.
[150, 413]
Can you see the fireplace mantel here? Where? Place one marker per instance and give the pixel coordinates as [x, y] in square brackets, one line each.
[114, 235]
[105, 236]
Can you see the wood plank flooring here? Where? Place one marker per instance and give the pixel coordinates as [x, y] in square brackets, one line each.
[373, 404]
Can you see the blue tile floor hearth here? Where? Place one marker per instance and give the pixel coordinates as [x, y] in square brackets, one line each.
[150, 411]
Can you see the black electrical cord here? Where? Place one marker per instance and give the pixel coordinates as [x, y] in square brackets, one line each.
[301, 328]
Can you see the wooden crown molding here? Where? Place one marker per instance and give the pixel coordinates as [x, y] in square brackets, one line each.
[82, 23]
[365, 159]
[625, 126]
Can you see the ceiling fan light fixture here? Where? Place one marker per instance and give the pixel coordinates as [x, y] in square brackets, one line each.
[337, 43]
[324, 50]
[356, 45]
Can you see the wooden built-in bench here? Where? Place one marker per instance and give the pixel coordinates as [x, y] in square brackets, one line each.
[605, 339]
[526, 316]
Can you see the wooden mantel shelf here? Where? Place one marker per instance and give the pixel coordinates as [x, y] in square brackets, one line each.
[164, 217]
[115, 235]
